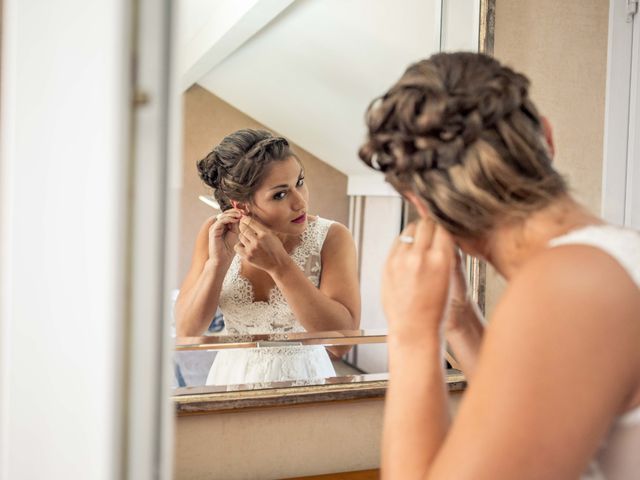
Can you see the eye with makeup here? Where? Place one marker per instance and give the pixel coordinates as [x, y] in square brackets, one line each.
[282, 194]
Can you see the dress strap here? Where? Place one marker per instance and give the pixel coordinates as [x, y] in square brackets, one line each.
[321, 229]
[622, 244]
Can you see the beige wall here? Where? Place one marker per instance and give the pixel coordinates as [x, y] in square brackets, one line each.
[207, 119]
[282, 442]
[562, 47]
[279, 442]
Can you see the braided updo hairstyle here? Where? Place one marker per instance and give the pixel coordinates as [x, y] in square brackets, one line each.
[235, 167]
[460, 131]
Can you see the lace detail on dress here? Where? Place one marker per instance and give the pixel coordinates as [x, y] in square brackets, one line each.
[244, 315]
[308, 363]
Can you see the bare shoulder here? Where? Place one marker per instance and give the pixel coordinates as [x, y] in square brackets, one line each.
[202, 239]
[571, 272]
[204, 228]
[338, 238]
[580, 281]
[559, 361]
[207, 224]
[574, 302]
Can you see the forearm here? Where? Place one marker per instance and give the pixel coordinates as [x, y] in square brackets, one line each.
[196, 307]
[464, 334]
[416, 411]
[314, 310]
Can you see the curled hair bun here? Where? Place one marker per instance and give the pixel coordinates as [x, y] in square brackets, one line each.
[236, 165]
[460, 131]
[434, 112]
[208, 169]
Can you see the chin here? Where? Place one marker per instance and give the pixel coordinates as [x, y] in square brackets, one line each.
[290, 228]
[298, 227]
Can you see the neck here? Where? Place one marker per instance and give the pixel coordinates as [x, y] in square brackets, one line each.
[510, 246]
[289, 241]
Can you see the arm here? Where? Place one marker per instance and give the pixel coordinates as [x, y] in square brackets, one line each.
[335, 305]
[464, 324]
[553, 372]
[197, 301]
[463, 330]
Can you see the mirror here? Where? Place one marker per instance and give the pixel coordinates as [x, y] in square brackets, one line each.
[305, 70]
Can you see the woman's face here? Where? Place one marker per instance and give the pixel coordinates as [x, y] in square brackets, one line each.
[281, 200]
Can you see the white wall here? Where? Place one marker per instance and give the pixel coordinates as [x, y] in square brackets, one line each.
[63, 184]
[311, 72]
[381, 220]
[460, 25]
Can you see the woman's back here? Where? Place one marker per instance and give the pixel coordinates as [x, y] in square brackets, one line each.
[617, 458]
[558, 364]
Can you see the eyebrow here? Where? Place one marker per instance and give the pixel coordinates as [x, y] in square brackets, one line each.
[285, 185]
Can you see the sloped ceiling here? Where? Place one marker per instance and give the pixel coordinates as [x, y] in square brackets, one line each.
[309, 68]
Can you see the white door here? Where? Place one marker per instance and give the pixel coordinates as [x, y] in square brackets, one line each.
[82, 180]
[621, 175]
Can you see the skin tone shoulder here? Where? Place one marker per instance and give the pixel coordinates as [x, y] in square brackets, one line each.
[556, 366]
[263, 232]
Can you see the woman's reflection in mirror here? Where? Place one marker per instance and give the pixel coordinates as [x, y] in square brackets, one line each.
[267, 263]
[555, 377]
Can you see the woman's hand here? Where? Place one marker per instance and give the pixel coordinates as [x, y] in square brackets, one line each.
[416, 281]
[260, 246]
[223, 236]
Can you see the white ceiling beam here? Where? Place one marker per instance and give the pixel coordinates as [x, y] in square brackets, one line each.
[232, 24]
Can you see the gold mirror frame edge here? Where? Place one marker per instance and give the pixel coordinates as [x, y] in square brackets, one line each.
[220, 402]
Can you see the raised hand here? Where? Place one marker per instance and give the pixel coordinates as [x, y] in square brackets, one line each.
[416, 281]
[259, 246]
[223, 236]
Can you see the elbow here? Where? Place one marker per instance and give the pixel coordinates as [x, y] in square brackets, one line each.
[355, 320]
[182, 332]
[183, 329]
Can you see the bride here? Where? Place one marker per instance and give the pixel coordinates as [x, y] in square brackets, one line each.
[269, 265]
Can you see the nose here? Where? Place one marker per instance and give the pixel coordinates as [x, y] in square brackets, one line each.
[298, 201]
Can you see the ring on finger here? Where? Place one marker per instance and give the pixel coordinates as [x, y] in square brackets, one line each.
[408, 239]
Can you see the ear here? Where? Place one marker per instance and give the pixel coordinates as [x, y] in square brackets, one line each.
[548, 134]
[240, 206]
[419, 203]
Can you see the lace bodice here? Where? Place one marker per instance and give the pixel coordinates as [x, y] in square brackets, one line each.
[617, 457]
[243, 315]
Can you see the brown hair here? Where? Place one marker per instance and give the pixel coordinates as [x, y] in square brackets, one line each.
[460, 131]
[236, 167]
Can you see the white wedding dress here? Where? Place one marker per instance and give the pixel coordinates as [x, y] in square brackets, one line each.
[243, 315]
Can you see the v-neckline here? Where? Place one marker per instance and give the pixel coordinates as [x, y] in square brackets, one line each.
[252, 290]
